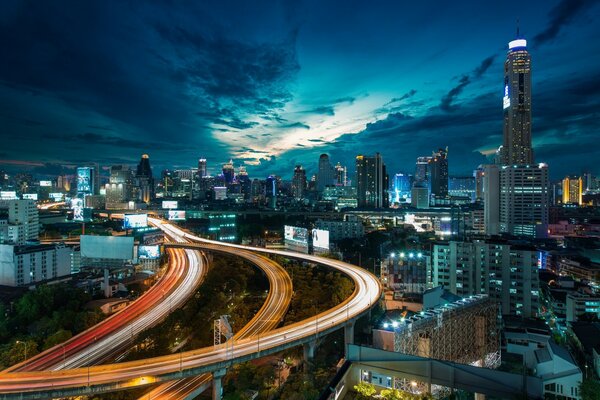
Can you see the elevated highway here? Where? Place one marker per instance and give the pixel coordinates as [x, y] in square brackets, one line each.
[105, 378]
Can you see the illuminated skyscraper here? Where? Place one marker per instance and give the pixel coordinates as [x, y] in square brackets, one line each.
[438, 171]
[341, 176]
[144, 180]
[299, 182]
[202, 168]
[228, 172]
[371, 182]
[325, 174]
[572, 190]
[517, 149]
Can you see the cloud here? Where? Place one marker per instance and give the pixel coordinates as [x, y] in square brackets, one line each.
[405, 96]
[561, 15]
[446, 102]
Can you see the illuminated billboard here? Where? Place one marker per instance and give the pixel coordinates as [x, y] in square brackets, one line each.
[30, 196]
[296, 234]
[320, 238]
[46, 183]
[132, 221]
[56, 196]
[84, 180]
[149, 252]
[76, 203]
[176, 215]
[169, 204]
[8, 195]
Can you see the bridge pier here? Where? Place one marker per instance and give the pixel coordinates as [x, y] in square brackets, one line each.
[309, 350]
[217, 385]
[349, 333]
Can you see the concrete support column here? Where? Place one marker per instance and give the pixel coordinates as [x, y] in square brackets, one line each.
[349, 333]
[107, 291]
[479, 396]
[309, 351]
[217, 385]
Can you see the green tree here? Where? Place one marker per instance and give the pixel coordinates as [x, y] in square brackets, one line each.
[59, 337]
[589, 389]
[365, 390]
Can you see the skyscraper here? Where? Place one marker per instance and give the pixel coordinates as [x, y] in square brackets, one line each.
[144, 180]
[524, 199]
[299, 182]
[371, 182]
[228, 172]
[325, 174]
[438, 167]
[202, 168]
[572, 190]
[517, 149]
[341, 176]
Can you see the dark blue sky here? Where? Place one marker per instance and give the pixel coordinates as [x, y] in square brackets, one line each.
[275, 83]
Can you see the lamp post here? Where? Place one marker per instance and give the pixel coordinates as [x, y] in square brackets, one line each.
[25, 350]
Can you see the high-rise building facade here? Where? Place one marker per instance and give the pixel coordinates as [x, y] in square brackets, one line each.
[228, 172]
[438, 175]
[517, 149]
[23, 223]
[299, 182]
[119, 189]
[524, 200]
[341, 175]
[144, 180]
[490, 176]
[402, 188]
[572, 190]
[202, 168]
[371, 182]
[326, 175]
[507, 273]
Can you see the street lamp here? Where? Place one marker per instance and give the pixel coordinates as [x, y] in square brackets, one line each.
[24, 343]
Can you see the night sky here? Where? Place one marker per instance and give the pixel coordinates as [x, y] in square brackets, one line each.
[276, 83]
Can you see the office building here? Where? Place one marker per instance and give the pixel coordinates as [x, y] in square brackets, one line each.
[422, 170]
[507, 273]
[572, 190]
[490, 176]
[419, 195]
[119, 189]
[22, 224]
[144, 180]
[326, 174]
[299, 182]
[26, 265]
[341, 175]
[516, 149]
[438, 174]
[202, 168]
[371, 182]
[341, 196]
[350, 228]
[228, 172]
[524, 200]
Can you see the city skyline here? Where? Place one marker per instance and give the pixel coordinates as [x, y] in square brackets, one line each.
[314, 88]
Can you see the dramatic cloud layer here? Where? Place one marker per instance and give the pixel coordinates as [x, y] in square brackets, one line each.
[272, 85]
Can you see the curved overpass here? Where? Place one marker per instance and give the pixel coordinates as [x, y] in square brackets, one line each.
[267, 318]
[143, 372]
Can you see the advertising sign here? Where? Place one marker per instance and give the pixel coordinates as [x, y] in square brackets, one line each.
[30, 196]
[132, 221]
[169, 204]
[176, 215]
[296, 234]
[46, 183]
[149, 252]
[8, 195]
[320, 238]
[84, 180]
[56, 196]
